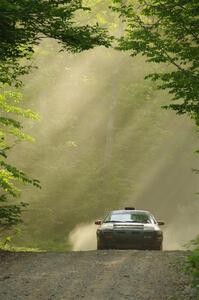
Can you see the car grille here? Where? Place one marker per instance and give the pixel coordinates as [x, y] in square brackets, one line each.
[128, 227]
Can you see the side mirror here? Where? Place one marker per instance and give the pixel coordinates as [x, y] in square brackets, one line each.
[98, 222]
[160, 223]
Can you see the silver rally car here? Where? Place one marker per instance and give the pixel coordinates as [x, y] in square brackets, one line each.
[129, 229]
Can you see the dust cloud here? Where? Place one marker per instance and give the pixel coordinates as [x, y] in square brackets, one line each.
[83, 237]
[103, 142]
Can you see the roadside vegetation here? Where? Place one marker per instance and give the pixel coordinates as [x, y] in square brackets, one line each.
[192, 262]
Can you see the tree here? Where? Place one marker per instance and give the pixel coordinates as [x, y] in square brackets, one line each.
[167, 33]
[10, 176]
[23, 24]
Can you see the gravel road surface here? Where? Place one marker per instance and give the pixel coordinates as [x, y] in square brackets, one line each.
[95, 275]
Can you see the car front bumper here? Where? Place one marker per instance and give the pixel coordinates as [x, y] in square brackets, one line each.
[129, 240]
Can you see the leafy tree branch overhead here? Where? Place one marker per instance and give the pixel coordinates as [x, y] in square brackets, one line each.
[25, 23]
[167, 33]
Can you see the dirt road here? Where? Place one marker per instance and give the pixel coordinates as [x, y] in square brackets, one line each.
[94, 275]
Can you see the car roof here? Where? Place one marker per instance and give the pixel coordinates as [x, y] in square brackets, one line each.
[130, 211]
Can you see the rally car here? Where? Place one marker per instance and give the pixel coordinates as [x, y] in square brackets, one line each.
[129, 229]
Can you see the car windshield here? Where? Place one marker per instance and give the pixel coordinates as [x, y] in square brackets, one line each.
[133, 217]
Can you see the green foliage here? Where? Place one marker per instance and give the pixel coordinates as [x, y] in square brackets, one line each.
[24, 23]
[6, 244]
[192, 263]
[10, 134]
[6, 241]
[167, 33]
[102, 14]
